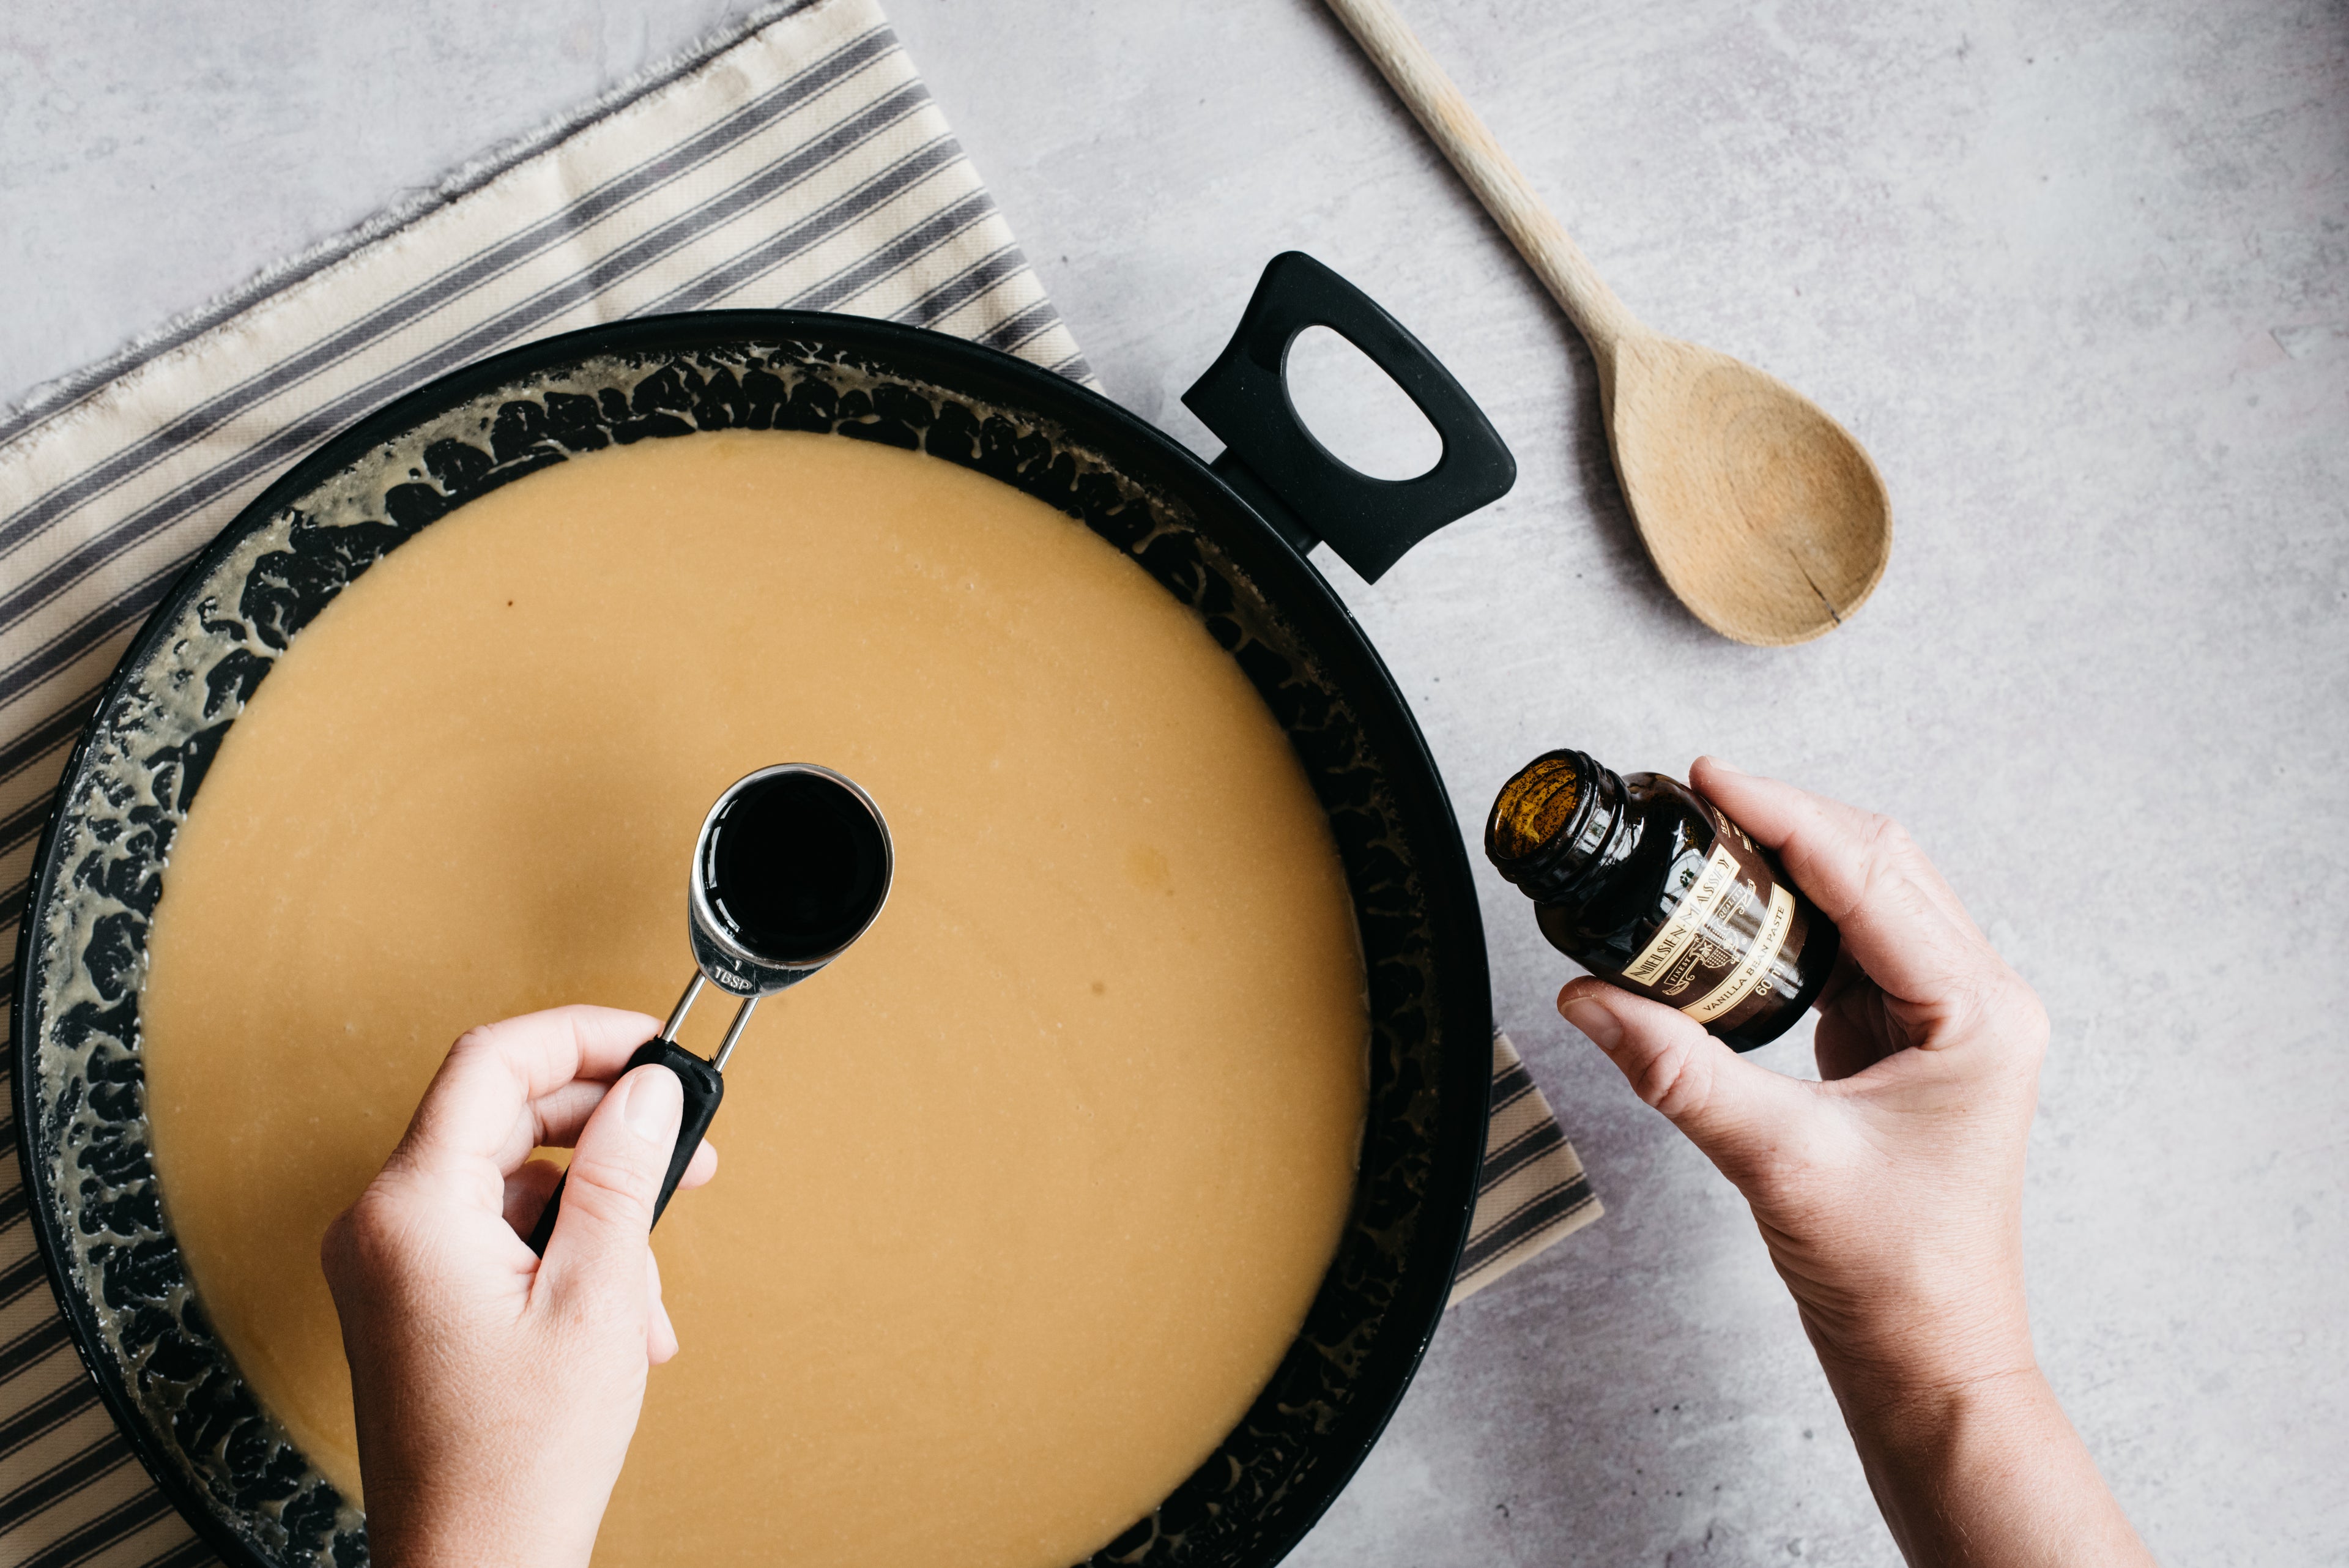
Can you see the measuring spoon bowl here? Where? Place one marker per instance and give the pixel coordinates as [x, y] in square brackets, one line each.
[793, 864]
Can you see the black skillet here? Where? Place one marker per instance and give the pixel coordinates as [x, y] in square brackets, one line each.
[1228, 539]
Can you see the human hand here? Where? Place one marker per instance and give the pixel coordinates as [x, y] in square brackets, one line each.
[496, 1392]
[1890, 1193]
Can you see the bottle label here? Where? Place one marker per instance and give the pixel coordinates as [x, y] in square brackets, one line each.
[1660, 958]
[1716, 953]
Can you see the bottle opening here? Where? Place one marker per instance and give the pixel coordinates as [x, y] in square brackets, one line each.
[1534, 808]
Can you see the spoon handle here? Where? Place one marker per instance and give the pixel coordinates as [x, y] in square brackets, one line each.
[1490, 172]
[704, 1088]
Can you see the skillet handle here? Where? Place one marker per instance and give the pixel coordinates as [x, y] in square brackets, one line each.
[1274, 463]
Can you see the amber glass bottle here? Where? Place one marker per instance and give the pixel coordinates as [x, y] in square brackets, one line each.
[1640, 880]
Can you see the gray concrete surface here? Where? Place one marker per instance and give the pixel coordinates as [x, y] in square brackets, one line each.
[2079, 277]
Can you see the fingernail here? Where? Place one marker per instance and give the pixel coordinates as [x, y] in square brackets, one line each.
[655, 1104]
[1594, 1020]
[1729, 768]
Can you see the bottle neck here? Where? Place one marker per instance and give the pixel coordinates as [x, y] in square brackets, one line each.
[1554, 823]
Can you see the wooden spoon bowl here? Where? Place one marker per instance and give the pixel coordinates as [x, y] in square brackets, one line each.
[1763, 513]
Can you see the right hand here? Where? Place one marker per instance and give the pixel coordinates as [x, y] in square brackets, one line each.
[1890, 1192]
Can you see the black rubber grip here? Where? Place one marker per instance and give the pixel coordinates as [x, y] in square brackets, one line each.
[703, 1089]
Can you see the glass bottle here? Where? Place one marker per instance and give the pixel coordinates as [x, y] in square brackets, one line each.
[1640, 880]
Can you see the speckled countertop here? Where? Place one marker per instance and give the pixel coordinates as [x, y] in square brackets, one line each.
[2078, 276]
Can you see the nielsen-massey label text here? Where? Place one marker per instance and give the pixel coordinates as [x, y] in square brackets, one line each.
[1717, 951]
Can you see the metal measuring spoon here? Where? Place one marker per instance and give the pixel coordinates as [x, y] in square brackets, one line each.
[792, 864]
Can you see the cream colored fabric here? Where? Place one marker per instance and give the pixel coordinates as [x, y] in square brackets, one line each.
[1533, 1193]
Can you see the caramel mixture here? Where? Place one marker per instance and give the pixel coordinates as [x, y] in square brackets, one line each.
[1022, 1199]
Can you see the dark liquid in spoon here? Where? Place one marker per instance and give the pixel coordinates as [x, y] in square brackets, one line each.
[795, 868]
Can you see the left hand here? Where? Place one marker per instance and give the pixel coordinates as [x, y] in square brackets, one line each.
[496, 1391]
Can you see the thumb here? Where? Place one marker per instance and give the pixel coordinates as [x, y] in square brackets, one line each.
[615, 1180]
[1731, 1109]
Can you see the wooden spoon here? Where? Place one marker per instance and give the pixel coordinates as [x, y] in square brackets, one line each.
[1763, 514]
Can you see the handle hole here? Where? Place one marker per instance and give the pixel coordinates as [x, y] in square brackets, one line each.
[1355, 408]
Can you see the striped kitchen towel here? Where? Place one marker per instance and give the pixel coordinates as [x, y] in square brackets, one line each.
[1532, 1192]
[794, 162]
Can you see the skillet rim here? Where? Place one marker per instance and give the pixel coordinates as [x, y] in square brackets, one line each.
[1289, 582]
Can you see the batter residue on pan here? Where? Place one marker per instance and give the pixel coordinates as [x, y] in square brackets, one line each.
[1022, 1205]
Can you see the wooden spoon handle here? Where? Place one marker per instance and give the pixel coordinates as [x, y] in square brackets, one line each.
[1498, 183]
